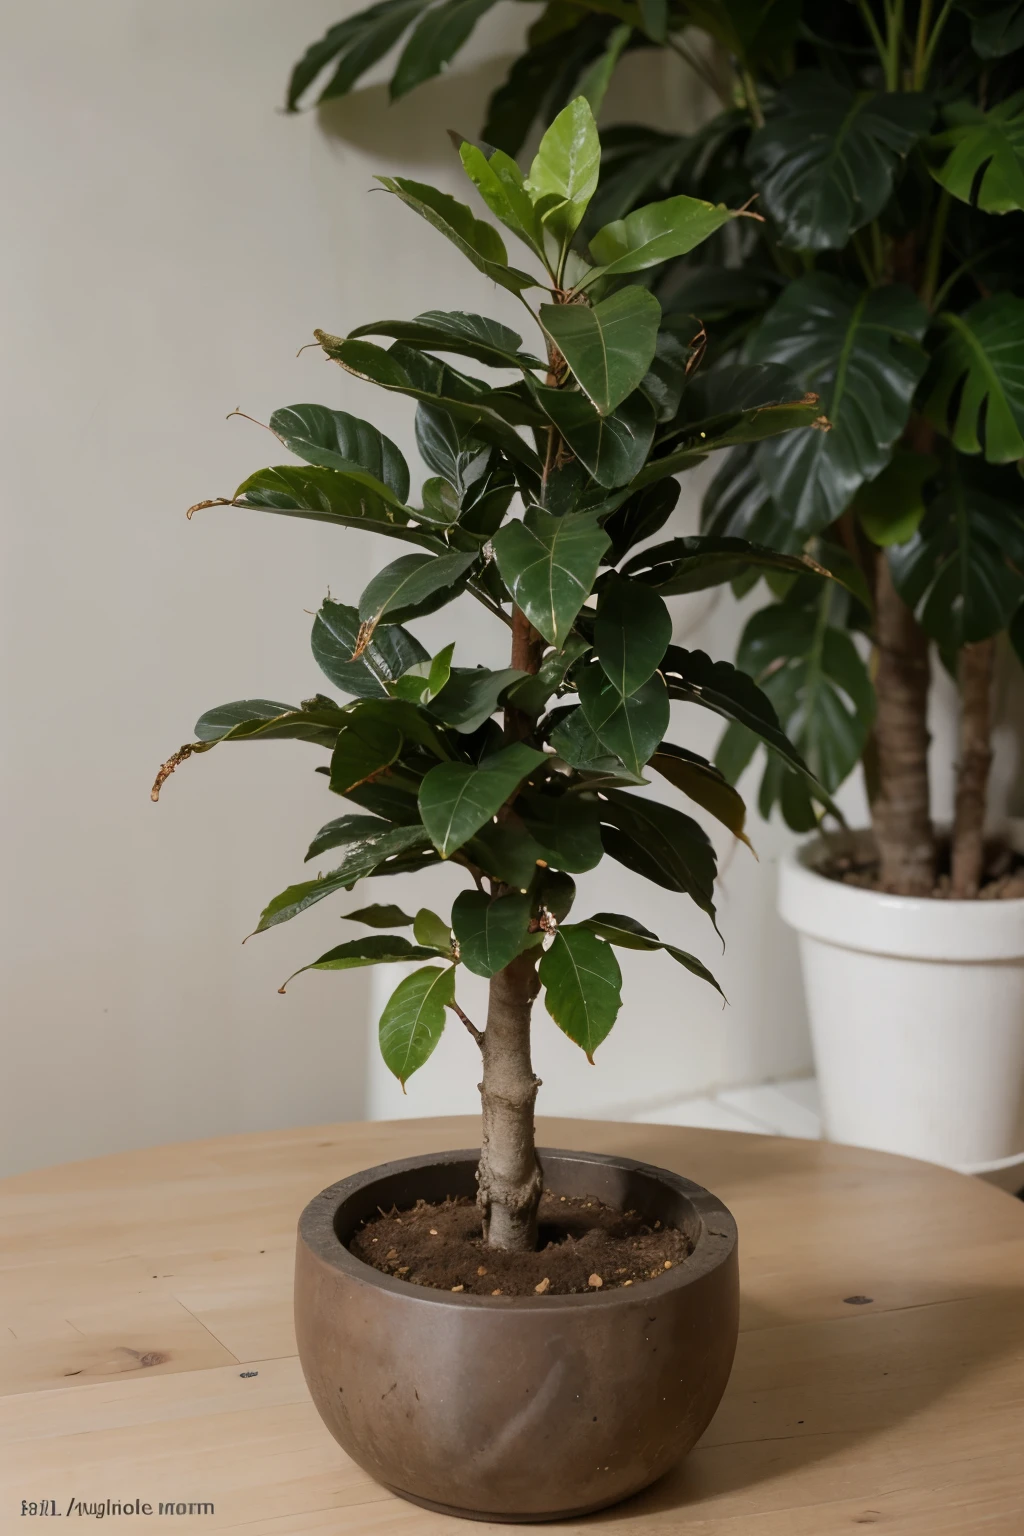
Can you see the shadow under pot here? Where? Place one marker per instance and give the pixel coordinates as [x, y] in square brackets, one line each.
[516, 1408]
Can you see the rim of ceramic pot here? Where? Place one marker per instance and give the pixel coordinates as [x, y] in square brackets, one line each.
[713, 1243]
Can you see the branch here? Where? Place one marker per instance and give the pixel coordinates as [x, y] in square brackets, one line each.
[476, 1033]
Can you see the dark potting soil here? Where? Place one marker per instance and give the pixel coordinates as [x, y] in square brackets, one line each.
[584, 1246]
[1002, 880]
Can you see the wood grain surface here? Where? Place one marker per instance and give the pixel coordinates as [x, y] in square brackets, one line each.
[146, 1345]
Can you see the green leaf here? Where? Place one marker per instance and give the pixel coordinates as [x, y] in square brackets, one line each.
[457, 799]
[379, 917]
[655, 233]
[430, 929]
[410, 586]
[578, 744]
[997, 26]
[336, 440]
[643, 514]
[974, 390]
[612, 448]
[532, 693]
[390, 653]
[566, 167]
[472, 695]
[705, 785]
[357, 42]
[436, 38]
[594, 82]
[549, 565]
[756, 31]
[632, 631]
[426, 679]
[698, 561]
[414, 1018]
[629, 727]
[368, 857]
[565, 828]
[719, 686]
[627, 933]
[478, 241]
[344, 830]
[554, 892]
[246, 719]
[327, 496]
[891, 507]
[500, 183]
[375, 950]
[980, 158]
[826, 159]
[661, 844]
[466, 335]
[860, 352]
[491, 930]
[367, 745]
[582, 986]
[609, 347]
[505, 851]
[561, 43]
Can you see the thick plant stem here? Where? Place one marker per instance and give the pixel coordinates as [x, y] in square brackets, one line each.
[976, 668]
[901, 810]
[509, 1174]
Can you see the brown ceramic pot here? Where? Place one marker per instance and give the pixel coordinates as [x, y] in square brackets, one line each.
[516, 1408]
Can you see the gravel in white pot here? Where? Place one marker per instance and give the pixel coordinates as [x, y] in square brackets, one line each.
[917, 1014]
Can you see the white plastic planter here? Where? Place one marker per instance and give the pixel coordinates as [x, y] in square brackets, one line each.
[917, 1018]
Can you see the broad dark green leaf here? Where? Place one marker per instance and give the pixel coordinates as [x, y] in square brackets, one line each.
[318, 720]
[632, 632]
[756, 31]
[704, 784]
[997, 26]
[642, 515]
[661, 844]
[368, 857]
[612, 448]
[379, 916]
[412, 585]
[375, 950]
[664, 381]
[655, 233]
[357, 42]
[327, 496]
[500, 183]
[505, 851]
[532, 693]
[491, 930]
[974, 390]
[554, 892]
[891, 507]
[565, 169]
[582, 986]
[429, 928]
[596, 79]
[344, 830]
[336, 440]
[609, 347]
[860, 351]
[692, 563]
[578, 744]
[368, 744]
[630, 727]
[737, 504]
[455, 331]
[471, 696]
[390, 653]
[478, 241]
[436, 38]
[980, 158]
[414, 1018]
[565, 827]
[561, 43]
[549, 565]
[826, 159]
[457, 799]
[627, 933]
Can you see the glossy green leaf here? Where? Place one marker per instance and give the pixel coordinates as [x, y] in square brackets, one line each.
[661, 844]
[500, 183]
[549, 565]
[891, 507]
[478, 241]
[704, 784]
[327, 496]
[627, 933]
[379, 916]
[472, 695]
[755, 31]
[319, 721]
[826, 159]
[487, 341]
[554, 892]
[860, 351]
[612, 448]
[566, 167]
[344, 830]
[578, 744]
[422, 682]
[655, 233]
[457, 799]
[974, 390]
[357, 43]
[414, 1018]
[632, 632]
[609, 347]
[594, 82]
[582, 986]
[505, 851]
[980, 158]
[639, 517]
[368, 857]
[532, 693]
[561, 43]
[491, 930]
[413, 585]
[436, 38]
[377, 949]
[430, 929]
[336, 440]
[698, 561]
[389, 655]
[367, 745]
[630, 727]
[566, 829]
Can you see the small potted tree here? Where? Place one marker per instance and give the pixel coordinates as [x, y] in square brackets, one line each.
[455, 1313]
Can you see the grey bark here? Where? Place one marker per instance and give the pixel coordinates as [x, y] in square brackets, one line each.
[976, 667]
[509, 1174]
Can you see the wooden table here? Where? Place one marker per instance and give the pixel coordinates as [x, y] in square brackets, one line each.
[148, 1353]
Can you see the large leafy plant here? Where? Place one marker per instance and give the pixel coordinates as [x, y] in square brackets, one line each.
[541, 490]
[884, 141]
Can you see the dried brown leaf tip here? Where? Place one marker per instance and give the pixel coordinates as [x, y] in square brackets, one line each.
[166, 769]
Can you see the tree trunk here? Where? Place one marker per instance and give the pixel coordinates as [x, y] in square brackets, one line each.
[976, 668]
[509, 1174]
[901, 811]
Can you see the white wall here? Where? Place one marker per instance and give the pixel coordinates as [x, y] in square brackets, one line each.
[171, 240]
